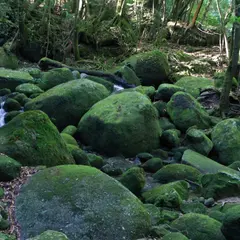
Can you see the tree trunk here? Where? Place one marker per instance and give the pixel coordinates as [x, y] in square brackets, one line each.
[194, 19]
[233, 64]
[78, 4]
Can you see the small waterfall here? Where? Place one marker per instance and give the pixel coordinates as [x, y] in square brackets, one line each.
[2, 112]
[117, 88]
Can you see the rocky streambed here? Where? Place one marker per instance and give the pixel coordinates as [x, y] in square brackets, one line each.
[148, 162]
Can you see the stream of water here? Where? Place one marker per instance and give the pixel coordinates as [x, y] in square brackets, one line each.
[2, 112]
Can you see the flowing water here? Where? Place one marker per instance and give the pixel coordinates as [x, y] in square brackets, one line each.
[2, 112]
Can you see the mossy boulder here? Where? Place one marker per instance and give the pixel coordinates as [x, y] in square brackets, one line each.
[128, 75]
[144, 156]
[7, 237]
[226, 140]
[146, 90]
[80, 156]
[134, 179]
[10, 115]
[235, 165]
[199, 227]
[11, 105]
[193, 207]
[70, 129]
[124, 123]
[28, 89]
[65, 104]
[154, 213]
[55, 77]
[168, 216]
[204, 164]
[4, 91]
[174, 172]
[167, 195]
[153, 165]
[95, 160]
[11, 79]
[170, 138]
[175, 236]
[186, 112]
[198, 141]
[7, 59]
[50, 235]
[108, 85]
[230, 227]
[161, 108]
[193, 85]
[9, 168]
[166, 90]
[219, 77]
[20, 97]
[68, 139]
[150, 67]
[98, 203]
[32, 139]
[220, 185]
[166, 124]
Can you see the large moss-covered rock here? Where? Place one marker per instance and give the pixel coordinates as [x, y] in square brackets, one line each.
[11, 105]
[50, 235]
[167, 195]
[166, 90]
[193, 85]
[9, 168]
[107, 84]
[128, 75]
[174, 172]
[32, 139]
[65, 104]
[226, 140]
[6, 237]
[11, 79]
[82, 202]
[151, 67]
[8, 60]
[124, 123]
[220, 185]
[186, 112]
[198, 141]
[204, 164]
[134, 179]
[174, 236]
[28, 89]
[199, 227]
[230, 227]
[55, 77]
[170, 138]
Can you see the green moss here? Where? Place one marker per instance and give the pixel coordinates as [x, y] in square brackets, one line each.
[193, 207]
[108, 85]
[1, 192]
[230, 226]
[186, 112]
[71, 130]
[68, 139]
[174, 236]
[153, 165]
[166, 124]
[11, 105]
[32, 139]
[95, 160]
[7, 237]
[198, 141]
[65, 104]
[154, 213]
[8, 60]
[167, 195]
[193, 85]
[4, 91]
[168, 216]
[50, 235]
[161, 108]
[134, 179]
[148, 91]
[199, 227]
[80, 157]
[55, 77]
[165, 91]
[220, 185]
[11, 79]
[28, 89]
[151, 67]
[226, 140]
[9, 168]
[204, 164]
[53, 196]
[170, 138]
[174, 172]
[124, 123]
[10, 115]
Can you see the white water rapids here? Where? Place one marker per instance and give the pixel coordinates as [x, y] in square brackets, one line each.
[2, 112]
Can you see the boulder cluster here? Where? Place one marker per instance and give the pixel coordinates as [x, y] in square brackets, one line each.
[148, 162]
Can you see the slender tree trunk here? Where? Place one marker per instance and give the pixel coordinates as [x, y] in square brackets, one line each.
[206, 11]
[78, 4]
[233, 64]
[194, 19]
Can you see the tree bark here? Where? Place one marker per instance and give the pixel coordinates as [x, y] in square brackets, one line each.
[194, 19]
